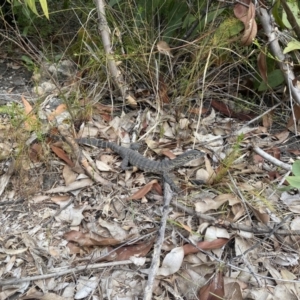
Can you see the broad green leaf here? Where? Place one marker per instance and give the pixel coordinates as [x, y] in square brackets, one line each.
[31, 4]
[291, 46]
[45, 8]
[293, 5]
[294, 181]
[277, 15]
[275, 78]
[296, 168]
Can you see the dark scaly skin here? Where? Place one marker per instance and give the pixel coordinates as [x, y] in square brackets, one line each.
[136, 159]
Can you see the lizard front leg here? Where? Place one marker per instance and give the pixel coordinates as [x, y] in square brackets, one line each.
[124, 164]
[169, 180]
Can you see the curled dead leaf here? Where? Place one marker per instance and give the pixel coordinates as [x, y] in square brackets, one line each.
[214, 290]
[247, 16]
[145, 190]
[204, 245]
[126, 252]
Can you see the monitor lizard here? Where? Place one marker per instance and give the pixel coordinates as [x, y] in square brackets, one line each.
[134, 158]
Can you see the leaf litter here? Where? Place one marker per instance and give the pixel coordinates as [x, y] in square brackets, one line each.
[99, 214]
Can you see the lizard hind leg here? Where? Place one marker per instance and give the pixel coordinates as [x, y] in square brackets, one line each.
[169, 180]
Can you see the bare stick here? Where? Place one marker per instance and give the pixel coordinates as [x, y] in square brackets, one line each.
[117, 76]
[286, 68]
[272, 159]
[160, 239]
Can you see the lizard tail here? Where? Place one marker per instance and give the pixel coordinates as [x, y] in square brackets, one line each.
[92, 142]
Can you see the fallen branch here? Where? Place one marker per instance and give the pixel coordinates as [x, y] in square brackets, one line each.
[272, 159]
[160, 239]
[15, 281]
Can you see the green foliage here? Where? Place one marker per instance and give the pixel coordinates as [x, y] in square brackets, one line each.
[30, 5]
[28, 62]
[15, 112]
[277, 13]
[292, 46]
[280, 15]
[275, 78]
[230, 159]
[230, 27]
[294, 7]
[169, 17]
[294, 181]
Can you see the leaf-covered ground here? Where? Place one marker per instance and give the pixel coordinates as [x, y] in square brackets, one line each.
[75, 226]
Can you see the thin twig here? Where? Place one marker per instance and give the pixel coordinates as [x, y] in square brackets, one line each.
[58, 212]
[272, 159]
[266, 237]
[234, 226]
[15, 281]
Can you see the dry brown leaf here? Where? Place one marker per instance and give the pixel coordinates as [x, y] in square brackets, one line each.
[27, 106]
[199, 111]
[186, 227]
[62, 155]
[282, 136]
[205, 245]
[247, 16]
[207, 204]
[131, 101]
[35, 152]
[268, 119]
[168, 154]
[73, 248]
[115, 229]
[104, 108]
[233, 291]
[31, 120]
[261, 216]
[290, 124]
[102, 166]
[60, 109]
[125, 252]
[51, 296]
[275, 152]
[87, 239]
[262, 65]
[214, 290]
[294, 151]
[202, 175]
[238, 211]
[61, 200]
[210, 170]
[257, 159]
[164, 48]
[163, 91]
[70, 214]
[69, 175]
[227, 111]
[143, 191]
[172, 262]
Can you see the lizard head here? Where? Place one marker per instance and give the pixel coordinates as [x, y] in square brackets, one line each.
[193, 154]
[185, 157]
